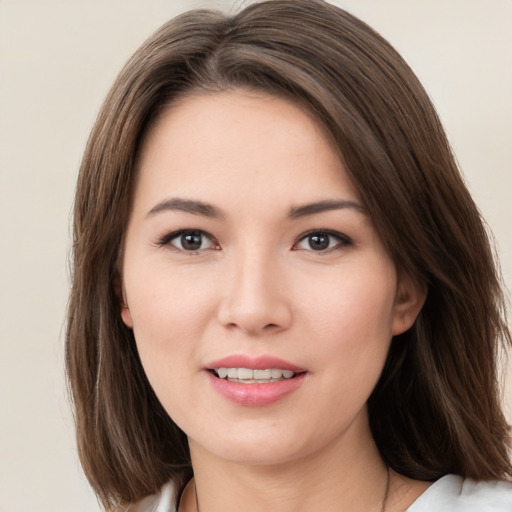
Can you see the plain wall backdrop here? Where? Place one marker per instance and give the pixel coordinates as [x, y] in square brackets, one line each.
[57, 61]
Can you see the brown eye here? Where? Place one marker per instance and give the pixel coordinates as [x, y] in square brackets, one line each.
[189, 240]
[322, 241]
[318, 242]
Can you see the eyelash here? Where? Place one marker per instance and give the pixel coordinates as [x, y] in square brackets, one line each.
[167, 240]
[342, 240]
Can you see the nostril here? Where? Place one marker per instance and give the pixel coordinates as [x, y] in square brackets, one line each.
[254, 313]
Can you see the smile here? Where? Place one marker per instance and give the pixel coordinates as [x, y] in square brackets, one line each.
[254, 381]
[253, 376]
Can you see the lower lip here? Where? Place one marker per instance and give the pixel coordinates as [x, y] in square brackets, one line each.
[256, 395]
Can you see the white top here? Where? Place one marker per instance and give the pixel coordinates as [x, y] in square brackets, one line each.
[451, 493]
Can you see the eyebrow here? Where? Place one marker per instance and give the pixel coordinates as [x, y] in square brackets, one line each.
[187, 206]
[207, 210]
[324, 206]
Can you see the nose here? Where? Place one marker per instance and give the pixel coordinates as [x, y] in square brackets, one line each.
[255, 301]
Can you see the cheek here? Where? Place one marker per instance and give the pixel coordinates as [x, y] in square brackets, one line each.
[167, 326]
[354, 310]
[169, 317]
[164, 299]
[351, 323]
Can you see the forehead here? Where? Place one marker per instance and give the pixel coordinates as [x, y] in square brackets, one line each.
[243, 143]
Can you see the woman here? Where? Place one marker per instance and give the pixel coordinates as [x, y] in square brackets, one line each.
[283, 294]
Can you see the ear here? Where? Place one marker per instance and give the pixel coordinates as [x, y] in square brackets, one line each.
[409, 300]
[121, 297]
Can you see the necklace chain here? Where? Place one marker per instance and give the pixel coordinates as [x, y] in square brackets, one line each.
[382, 507]
[386, 492]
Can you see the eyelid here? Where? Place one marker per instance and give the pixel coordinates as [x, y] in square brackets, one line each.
[343, 239]
[166, 240]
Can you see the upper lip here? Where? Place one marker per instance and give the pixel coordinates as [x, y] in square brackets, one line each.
[263, 362]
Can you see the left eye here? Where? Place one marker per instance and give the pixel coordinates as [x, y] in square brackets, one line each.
[321, 241]
[190, 241]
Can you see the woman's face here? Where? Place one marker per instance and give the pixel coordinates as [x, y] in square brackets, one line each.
[248, 248]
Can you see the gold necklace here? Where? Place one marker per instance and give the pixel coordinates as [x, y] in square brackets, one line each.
[382, 507]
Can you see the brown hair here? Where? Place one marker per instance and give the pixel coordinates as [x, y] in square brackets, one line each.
[436, 407]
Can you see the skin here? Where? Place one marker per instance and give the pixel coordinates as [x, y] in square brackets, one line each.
[257, 285]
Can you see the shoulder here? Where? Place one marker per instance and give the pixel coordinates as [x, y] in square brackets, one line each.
[453, 493]
[164, 501]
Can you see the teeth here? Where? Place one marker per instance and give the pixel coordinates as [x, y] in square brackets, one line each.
[232, 373]
[243, 373]
[249, 376]
[262, 374]
[222, 372]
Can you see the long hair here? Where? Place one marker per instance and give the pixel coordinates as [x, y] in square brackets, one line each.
[436, 408]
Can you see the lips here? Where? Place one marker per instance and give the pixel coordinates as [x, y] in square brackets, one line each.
[254, 381]
[256, 363]
[250, 376]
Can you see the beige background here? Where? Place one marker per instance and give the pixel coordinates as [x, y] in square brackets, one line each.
[57, 60]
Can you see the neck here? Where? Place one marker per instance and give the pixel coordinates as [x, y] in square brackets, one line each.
[347, 474]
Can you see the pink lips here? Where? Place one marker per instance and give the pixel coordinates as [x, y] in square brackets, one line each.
[255, 395]
[256, 363]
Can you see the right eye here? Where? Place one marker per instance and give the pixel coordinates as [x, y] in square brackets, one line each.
[189, 240]
[322, 241]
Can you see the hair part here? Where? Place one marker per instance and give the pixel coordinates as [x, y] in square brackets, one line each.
[436, 408]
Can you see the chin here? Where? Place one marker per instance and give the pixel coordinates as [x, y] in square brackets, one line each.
[258, 456]
[260, 446]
